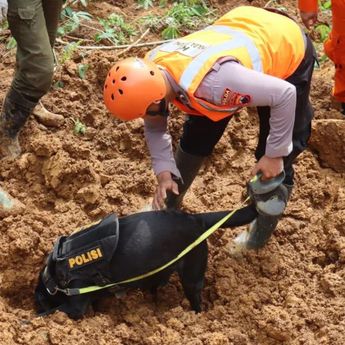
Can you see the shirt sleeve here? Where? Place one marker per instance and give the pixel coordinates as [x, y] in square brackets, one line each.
[231, 81]
[159, 143]
[308, 5]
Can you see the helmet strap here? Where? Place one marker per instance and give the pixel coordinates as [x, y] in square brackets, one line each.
[162, 111]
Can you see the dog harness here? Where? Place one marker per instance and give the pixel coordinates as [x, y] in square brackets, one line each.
[100, 278]
[85, 255]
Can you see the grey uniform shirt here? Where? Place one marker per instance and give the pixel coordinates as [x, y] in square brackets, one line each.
[229, 80]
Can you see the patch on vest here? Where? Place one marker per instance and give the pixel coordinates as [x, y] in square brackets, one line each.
[232, 98]
[88, 257]
[86, 254]
[187, 48]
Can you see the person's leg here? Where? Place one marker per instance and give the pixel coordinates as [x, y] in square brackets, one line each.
[335, 50]
[262, 228]
[52, 9]
[34, 70]
[199, 137]
[35, 61]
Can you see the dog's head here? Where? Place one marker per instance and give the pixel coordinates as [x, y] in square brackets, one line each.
[47, 303]
[48, 299]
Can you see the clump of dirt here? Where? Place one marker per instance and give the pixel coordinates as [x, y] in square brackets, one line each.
[290, 292]
[328, 138]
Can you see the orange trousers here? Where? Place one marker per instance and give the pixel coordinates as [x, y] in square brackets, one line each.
[335, 48]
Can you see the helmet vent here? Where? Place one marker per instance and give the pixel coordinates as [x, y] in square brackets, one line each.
[113, 81]
[121, 92]
[112, 96]
[124, 78]
[105, 86]
[117, 68]
[152, 73]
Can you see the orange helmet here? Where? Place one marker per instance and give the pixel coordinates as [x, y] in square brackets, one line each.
[131, 86]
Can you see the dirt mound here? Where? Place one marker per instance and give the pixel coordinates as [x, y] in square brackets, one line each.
[291, 292]
[328, 141]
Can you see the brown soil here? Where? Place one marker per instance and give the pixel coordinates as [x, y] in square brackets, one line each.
[291, 292]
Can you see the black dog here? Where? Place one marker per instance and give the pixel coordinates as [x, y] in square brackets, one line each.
[145, 241]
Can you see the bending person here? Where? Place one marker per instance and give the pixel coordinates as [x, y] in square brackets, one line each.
[210, 75]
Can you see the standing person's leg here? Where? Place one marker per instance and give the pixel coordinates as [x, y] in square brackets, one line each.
[52, 9]
[34, 70]
[199, 137]
[262, 228]
[335, 50]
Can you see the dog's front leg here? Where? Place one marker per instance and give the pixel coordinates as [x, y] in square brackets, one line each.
[192, 275]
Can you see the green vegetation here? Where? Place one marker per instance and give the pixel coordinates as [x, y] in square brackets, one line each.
[68, 51]
[71, 20]
[79, 127]
[82, 69]
[322, 30]
[115, 29]
[185, 15]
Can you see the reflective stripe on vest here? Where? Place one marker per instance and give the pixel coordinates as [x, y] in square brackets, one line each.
[238, 40]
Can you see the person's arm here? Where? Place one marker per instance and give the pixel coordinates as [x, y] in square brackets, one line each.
[163, 162]
[233, 81]
[308, 12]
[159, 143]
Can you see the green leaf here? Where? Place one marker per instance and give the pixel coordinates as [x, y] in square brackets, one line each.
[68, 11]
[145, 4]
[58, 85]
[12, 43]
[170, 33]
[326, 5]
[79, 127]
[68, 51]
[82, 69]
[323, 30]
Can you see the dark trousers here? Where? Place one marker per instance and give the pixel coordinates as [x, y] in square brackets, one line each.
[33, 24]
[200, 134]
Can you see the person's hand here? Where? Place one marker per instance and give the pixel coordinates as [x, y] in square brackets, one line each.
[308, 18]
[270, 167]
[165, 183]
[3, 10]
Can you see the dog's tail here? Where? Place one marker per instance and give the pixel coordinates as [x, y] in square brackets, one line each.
[242, 216]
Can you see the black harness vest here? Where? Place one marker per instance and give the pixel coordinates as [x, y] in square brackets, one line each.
[84, 255]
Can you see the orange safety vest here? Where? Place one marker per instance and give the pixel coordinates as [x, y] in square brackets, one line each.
[261, 40]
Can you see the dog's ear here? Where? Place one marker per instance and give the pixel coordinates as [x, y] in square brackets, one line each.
[45, 302]
[74, 306]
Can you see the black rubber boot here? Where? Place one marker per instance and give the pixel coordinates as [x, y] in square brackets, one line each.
[189, 166]
[262, 228]
[260, 231]
[15, 111]
[289, 188]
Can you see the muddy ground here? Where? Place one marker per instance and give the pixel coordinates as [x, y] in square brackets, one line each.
[291, 292]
